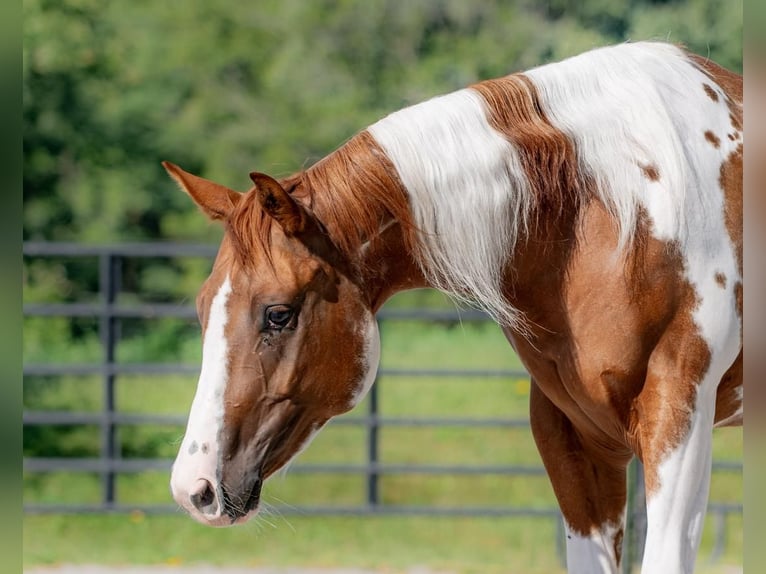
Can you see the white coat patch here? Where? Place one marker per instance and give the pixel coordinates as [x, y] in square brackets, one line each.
[198, 455]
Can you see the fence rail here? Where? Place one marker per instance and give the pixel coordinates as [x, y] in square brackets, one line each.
[109, 313]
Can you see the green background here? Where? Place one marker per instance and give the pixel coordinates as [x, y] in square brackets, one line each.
[224, 87]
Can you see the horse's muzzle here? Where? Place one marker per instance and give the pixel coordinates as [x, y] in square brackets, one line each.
[217, 503]
[239, 503]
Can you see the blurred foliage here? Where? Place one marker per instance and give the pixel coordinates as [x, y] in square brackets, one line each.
[223, 88]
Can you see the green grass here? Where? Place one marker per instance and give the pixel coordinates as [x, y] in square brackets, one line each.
[391, 543]
[388, 544]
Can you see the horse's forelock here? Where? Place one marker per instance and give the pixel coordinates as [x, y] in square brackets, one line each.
[249, 228]
[353, 193]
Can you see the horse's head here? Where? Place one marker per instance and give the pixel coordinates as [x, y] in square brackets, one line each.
[288, 343]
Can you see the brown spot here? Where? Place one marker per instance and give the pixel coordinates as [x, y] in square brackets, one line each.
[720, 278]
[205, 448]
[731, 183]
[547, 155]
[728, 398]
[736, 121]
[713, 139]
[710, 92]
[729, 82]
[650, 171]
[738, 297]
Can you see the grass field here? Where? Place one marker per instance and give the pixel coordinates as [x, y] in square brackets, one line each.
[389, 543]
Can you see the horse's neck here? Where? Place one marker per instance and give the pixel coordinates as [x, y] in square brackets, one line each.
[357, 195]
[386, 265]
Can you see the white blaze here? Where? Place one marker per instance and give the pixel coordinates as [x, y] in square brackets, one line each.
[198, 456]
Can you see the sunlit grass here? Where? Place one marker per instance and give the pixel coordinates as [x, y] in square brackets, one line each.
[62, 488]
[387, 544]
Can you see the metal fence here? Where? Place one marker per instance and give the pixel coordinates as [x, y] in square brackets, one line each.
[109, 464]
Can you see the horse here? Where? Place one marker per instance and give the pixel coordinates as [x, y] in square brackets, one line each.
[592, 207]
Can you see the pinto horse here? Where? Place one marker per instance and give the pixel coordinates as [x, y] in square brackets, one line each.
[593, 207]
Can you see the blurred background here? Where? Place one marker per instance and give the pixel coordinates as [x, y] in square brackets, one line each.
[437, 468]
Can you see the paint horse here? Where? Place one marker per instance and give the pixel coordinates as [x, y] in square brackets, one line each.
[593, 207]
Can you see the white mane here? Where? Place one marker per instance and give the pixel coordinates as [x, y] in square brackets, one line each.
[463, 179]
[626, 108]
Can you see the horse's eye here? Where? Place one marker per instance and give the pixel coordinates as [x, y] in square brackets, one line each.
[278, 317]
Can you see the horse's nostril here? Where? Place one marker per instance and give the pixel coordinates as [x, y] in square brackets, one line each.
[202, 497]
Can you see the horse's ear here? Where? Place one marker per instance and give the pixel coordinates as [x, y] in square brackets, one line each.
[279, 204]
[215, 200]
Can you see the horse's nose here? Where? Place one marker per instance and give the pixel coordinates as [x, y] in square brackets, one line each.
[203, 498]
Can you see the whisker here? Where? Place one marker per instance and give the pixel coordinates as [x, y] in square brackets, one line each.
[261, 519]
[274, 511]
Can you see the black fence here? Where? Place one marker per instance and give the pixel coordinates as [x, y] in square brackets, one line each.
[109, 464]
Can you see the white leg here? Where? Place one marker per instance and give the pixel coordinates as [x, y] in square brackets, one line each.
[676, 511]
[597, 553]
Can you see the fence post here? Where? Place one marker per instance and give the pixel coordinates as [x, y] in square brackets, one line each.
[372, 448]
[109, 284]
[628, 539]
[635, 523]
[561, 542]
[721, 534]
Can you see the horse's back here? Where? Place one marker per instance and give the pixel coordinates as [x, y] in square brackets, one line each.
[658, 132]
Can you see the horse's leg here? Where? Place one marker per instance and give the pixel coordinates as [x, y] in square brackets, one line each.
[675, 437]
[590, 489]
